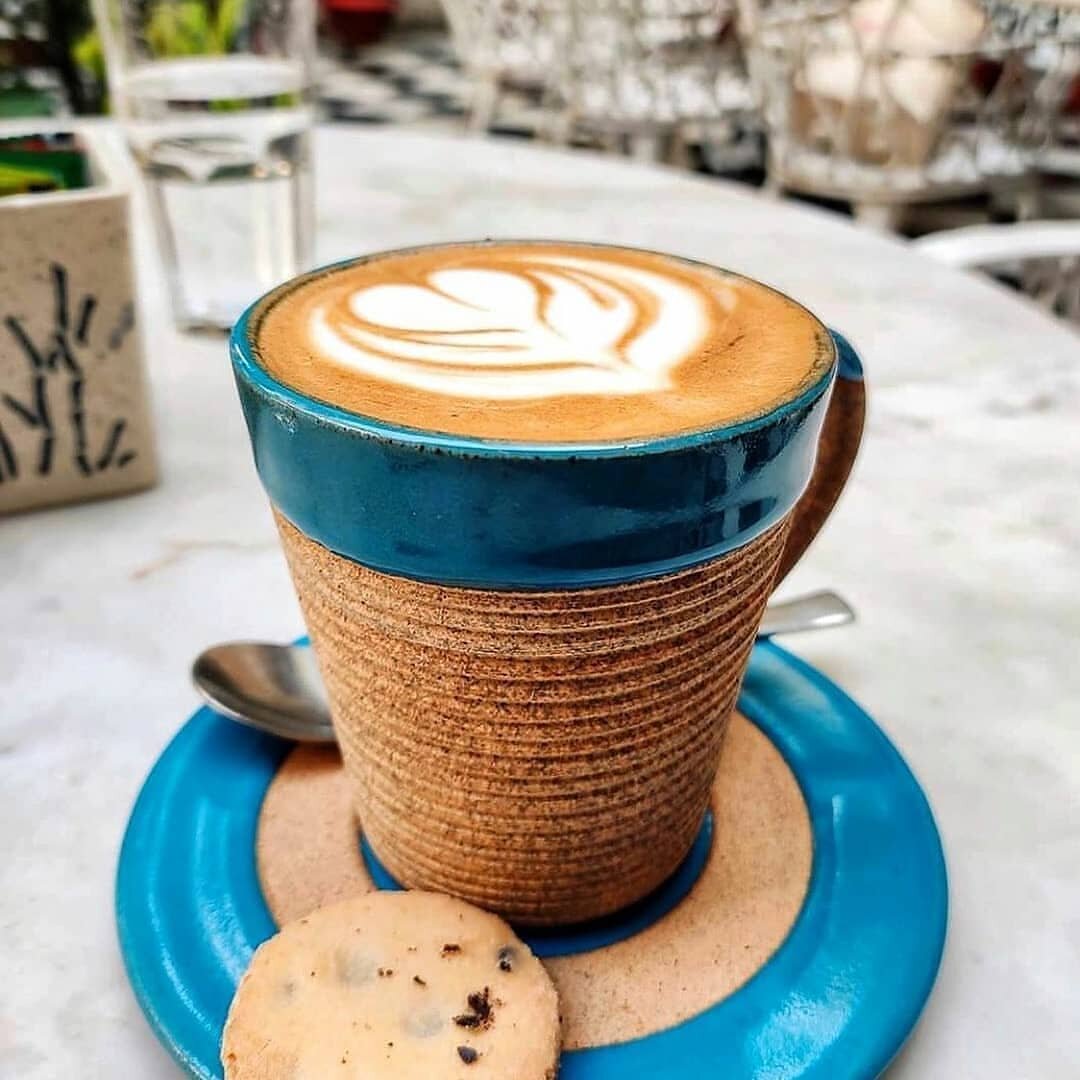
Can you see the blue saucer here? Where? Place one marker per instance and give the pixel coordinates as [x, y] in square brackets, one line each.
[835, 1001]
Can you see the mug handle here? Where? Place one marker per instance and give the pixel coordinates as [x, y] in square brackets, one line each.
[841, 434]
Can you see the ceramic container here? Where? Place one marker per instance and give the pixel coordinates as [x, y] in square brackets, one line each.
[75, 421]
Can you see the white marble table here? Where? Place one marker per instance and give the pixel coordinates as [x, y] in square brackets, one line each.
[958, 540]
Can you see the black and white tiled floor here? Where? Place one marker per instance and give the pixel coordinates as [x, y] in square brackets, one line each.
[414, 77]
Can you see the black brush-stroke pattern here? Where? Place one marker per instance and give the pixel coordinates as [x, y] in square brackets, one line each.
[62, 352]
[59, 276]
[20, 410]
[124, 325]
[111, 446]
[86, 313]
[78, 423]
[59, 353]
[9, 466]
[44, 413]
[36, 360]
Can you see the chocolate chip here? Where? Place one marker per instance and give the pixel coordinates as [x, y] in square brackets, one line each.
[481, 1015]
[467, 1054]
[451, 949]
[507, 954]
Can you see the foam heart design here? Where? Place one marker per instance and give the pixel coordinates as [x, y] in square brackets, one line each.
[527, 327]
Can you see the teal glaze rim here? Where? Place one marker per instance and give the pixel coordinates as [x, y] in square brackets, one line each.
[499, 514]
[243, 353]
[838, 998]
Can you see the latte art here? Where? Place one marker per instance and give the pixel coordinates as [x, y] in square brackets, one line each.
[531, 327]
[539, 342]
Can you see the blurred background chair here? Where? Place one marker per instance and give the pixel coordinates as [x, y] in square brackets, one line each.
[1052, 105]
[1040, 257]
[651, 76]
[645, 77]
[506, 45]
[888, 103]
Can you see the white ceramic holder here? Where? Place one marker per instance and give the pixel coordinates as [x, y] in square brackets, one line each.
[75, 421]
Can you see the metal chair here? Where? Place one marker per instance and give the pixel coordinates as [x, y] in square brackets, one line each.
[637, 75]
[1052, 108]
[505, 45]
[1042, 257]
[885, 103]
[649, 75]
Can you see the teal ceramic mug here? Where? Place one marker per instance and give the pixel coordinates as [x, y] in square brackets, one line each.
[532, 649]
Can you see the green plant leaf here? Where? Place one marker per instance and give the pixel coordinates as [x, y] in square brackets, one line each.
[230, 15]
[88, 54]
[181, 29]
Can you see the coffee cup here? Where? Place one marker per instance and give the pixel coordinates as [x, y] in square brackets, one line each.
[534, 498]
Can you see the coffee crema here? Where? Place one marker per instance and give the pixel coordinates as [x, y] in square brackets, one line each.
[540, 342]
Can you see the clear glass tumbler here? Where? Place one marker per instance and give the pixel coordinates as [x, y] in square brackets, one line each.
[215, 97]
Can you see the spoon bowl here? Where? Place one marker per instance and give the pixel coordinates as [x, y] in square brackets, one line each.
[275, 688]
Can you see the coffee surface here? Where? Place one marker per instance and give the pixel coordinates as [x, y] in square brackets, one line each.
[540, 342]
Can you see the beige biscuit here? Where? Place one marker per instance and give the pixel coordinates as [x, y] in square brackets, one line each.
[394, 985]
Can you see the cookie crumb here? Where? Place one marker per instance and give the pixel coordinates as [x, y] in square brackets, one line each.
[506, 958]
[467, 1054]
[385, 973]
[450, 949]
[419, 982]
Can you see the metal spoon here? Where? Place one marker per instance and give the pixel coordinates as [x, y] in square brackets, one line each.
[814, 611]
[278, 688]
[275, 688]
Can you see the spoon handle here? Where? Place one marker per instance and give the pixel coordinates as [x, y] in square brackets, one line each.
[814, 611]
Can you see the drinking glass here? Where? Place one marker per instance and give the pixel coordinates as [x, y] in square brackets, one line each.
[215, 97]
